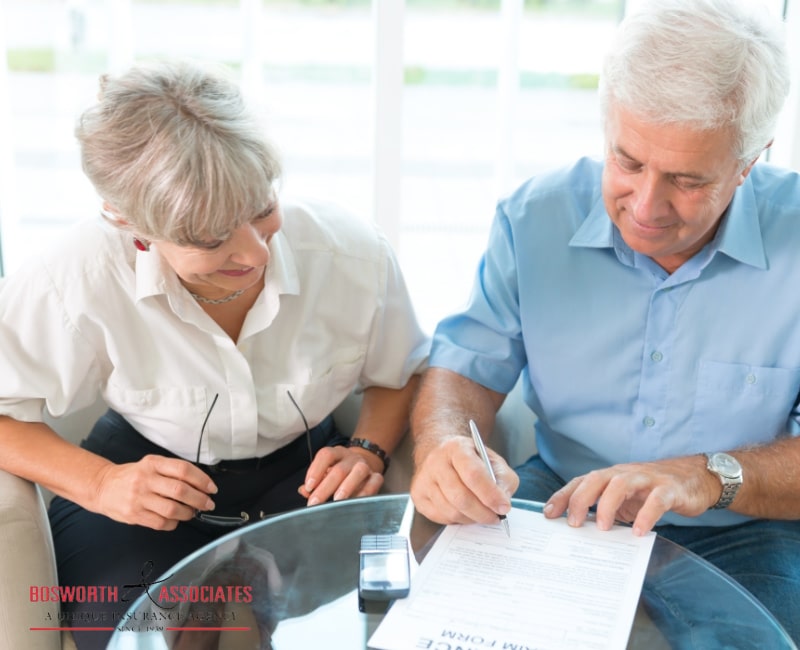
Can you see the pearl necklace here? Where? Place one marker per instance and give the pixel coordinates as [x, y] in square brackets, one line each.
[217, 301]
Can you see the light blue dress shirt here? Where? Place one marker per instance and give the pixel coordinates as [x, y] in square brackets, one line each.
[619, 360]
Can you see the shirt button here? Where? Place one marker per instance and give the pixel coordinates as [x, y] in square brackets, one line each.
[649, 422]
[656, 356]
[751, 378]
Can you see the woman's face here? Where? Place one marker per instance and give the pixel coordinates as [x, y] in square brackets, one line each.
[219, 268]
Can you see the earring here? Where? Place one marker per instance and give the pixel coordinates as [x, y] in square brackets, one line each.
[141, 245]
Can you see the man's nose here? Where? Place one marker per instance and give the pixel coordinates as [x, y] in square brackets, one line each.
[651, 199]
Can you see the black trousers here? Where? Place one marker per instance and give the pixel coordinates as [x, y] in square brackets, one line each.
[92, 549]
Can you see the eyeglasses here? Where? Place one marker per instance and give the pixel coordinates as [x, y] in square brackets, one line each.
[243, 517]
[305, 424]
[217, 520]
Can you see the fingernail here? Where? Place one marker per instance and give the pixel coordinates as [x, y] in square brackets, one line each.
[312, 501]
[212, 488]
[310, 483]
[210, 504]
[572, 520]
[548, 508]
[503, 509]
[338, 495]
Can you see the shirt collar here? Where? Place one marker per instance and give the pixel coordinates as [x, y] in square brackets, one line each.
[739, 235]
[151, 276]
[282, 272]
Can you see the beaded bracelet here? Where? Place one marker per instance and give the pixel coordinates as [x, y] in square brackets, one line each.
[370, 446]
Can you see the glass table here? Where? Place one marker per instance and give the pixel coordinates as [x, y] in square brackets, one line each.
[290, 583]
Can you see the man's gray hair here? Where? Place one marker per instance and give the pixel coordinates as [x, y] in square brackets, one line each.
[174, 151]
[709, 64]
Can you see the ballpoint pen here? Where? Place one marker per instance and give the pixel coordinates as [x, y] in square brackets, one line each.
[476, 438]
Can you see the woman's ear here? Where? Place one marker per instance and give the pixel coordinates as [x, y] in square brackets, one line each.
[111, 215]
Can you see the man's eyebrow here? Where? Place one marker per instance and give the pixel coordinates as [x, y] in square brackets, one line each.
[697, 176]
[691, 175]
[621, 152]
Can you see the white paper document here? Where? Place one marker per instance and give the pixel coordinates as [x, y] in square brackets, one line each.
[548, 587]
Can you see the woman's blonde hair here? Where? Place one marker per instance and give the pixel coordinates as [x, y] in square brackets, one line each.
[173, 149]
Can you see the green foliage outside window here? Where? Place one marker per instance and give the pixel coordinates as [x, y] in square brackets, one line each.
[48, 59]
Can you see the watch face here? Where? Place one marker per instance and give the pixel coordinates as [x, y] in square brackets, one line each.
[726, 465]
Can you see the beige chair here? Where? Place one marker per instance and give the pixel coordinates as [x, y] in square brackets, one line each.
[26, 545]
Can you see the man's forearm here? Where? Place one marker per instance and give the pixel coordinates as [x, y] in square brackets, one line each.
[445, 403]
[771, 487]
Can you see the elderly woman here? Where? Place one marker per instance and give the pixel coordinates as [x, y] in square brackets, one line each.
[220, 326]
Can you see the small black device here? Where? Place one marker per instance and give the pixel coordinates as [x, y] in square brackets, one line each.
[384, 572]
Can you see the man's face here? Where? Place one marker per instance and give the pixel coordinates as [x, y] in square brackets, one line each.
[665, 187]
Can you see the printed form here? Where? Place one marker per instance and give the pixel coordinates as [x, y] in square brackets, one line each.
[548, 587]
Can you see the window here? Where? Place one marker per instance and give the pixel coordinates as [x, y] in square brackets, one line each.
[470, 98]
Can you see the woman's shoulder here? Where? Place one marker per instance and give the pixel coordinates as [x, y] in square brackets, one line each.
[85, 253]
[311, 224]
[96, 247]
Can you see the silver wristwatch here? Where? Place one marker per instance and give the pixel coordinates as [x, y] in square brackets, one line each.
[729, 471]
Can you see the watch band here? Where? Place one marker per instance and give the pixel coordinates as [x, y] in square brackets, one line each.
[372, 447]
[729, 491]
[729, 472]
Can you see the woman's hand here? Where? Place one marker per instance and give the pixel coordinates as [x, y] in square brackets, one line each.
[342, 473]
[156, 492]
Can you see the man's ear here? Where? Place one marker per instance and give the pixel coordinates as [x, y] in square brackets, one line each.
[747, 169]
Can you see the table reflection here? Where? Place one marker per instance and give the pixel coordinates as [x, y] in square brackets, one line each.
[290, 582]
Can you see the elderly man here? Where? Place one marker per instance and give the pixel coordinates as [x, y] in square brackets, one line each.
[650, 303]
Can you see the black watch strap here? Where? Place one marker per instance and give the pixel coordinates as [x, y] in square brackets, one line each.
[372, 447]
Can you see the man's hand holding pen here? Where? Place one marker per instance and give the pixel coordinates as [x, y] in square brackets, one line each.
[456, 487]
[484, 454]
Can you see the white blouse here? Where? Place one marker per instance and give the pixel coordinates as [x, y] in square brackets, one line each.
[97, 316]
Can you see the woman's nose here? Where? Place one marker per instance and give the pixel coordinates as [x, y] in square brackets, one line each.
[252, 246]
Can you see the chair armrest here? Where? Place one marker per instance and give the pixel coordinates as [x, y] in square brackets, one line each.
[397, 479]
[514, 437]
[26, 560]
